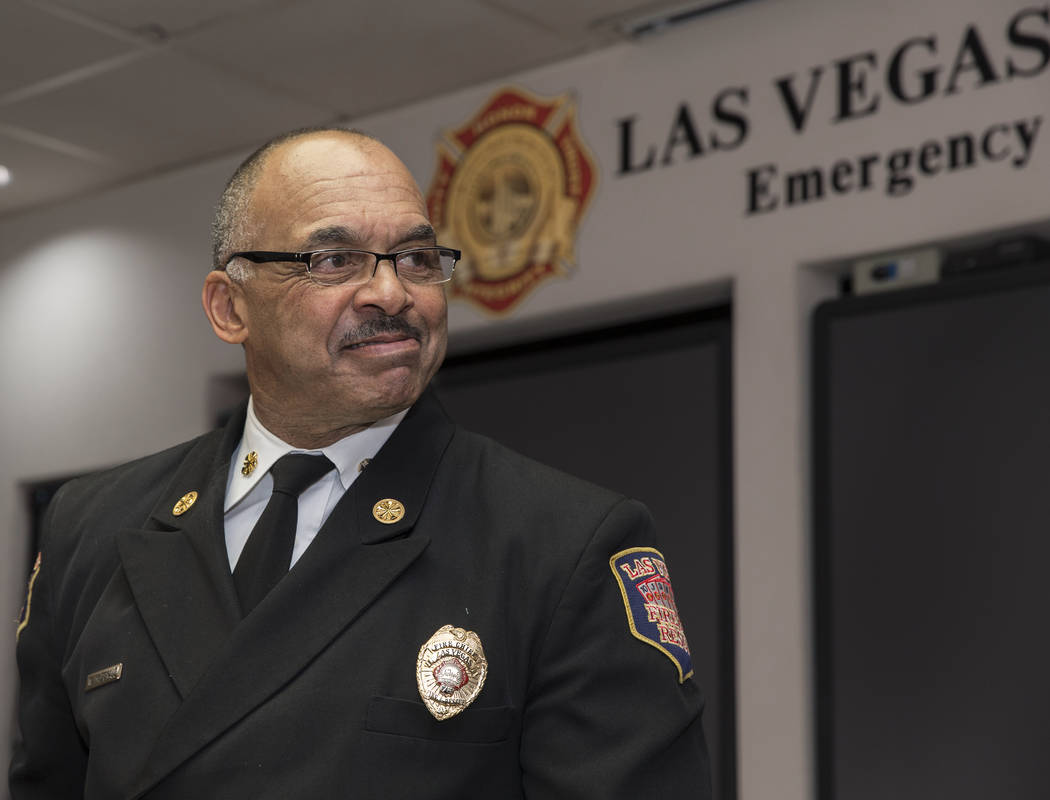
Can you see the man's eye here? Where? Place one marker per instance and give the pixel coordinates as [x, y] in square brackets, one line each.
[328, 263]
[418, 259]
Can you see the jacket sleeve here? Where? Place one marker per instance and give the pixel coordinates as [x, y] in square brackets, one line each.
[50, 758]
[607, 713]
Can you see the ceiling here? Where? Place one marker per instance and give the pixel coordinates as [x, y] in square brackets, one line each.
[98, 92]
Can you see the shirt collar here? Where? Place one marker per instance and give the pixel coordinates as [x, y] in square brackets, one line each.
[259, 450]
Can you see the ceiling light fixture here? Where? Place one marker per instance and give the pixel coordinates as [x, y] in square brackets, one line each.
[5, 175]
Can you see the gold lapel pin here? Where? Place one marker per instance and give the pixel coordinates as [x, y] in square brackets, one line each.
[184, 503]
[388, 511]
[450, 671]
[251, 461]
[363, 463]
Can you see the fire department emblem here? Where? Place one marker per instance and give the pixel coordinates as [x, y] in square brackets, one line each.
[652, 615]
[510, 189]
[450, 671]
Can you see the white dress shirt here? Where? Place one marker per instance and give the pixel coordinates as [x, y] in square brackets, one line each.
[247, 495]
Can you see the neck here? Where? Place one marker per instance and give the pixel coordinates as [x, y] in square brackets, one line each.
[305, 433]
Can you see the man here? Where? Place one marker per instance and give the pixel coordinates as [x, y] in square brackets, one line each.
[457, 621]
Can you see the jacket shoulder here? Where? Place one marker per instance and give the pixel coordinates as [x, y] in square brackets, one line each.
[536, 507]
[493, 462]
[91, 508]
[133, 482]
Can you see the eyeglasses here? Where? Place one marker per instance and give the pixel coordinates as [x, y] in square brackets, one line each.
[419, 265]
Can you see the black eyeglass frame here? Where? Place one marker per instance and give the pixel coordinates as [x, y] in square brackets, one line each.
[273, 256]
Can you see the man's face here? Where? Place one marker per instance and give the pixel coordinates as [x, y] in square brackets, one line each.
[333, 358]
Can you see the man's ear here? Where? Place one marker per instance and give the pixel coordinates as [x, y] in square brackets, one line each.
[218, 299]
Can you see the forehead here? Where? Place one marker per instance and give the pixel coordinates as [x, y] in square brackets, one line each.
[335, 181]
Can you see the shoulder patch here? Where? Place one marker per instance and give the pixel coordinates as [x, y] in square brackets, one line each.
[652, 616]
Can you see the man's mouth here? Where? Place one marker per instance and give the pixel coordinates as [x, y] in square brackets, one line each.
[385, 339]
[381, 331]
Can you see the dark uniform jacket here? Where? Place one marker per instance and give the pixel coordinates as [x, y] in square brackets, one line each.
[314, 694]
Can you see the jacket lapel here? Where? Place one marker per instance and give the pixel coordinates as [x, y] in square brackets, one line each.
[177, 564]
[353, 559]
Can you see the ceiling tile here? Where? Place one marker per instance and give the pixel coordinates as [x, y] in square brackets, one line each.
[150, 16]
[363, 57]
[35, 45]
[162, 110]
[197, 78]
[41, 175]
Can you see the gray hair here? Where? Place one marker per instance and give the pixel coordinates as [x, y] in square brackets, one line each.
[229, 229]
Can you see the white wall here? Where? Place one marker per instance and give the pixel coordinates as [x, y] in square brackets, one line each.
[106, 352]
[104, 348]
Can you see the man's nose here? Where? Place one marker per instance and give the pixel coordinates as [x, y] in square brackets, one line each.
[384, 290]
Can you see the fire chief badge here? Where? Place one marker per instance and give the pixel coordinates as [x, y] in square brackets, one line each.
[510, 188]
[450, 671]
[652, 615]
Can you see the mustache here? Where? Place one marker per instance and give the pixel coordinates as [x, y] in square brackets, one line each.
[377, 327]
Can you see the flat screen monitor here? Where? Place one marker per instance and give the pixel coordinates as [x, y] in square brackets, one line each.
[932, 540]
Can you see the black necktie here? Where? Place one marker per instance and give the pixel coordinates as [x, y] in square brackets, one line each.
[267, 555]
